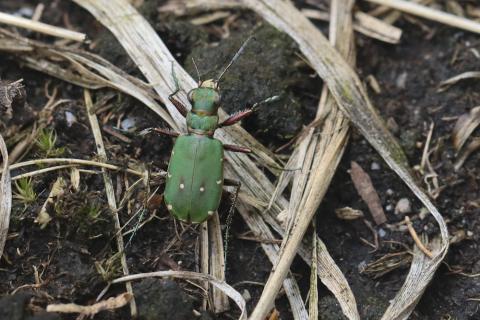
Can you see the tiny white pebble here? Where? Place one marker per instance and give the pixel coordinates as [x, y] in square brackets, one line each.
[375, 166]
[403, 206]
[182, 186]
[202, 189]
[382, 233]
[169, 207]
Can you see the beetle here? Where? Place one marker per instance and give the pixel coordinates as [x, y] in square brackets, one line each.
[195, 179]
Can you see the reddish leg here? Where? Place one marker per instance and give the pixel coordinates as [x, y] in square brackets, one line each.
[180, 107]
[234, 118]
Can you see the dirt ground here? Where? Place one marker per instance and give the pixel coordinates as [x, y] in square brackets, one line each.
[70, 257]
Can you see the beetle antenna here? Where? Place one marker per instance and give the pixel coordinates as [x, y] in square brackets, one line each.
[235, 57]
[198, 73]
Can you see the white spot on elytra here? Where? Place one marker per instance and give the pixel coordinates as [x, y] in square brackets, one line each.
[182, 186]
[219, 181]
[169, 207]
[210, 213]
[202, 189]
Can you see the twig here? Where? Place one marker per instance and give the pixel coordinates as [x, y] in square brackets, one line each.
[112, 203]
[431, 14]
[41, 171]
[74, 162]
[417, 240]
[41, 27]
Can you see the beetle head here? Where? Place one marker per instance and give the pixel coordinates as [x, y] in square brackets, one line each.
[205, 99]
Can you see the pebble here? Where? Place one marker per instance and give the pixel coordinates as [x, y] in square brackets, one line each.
[127, 124]
[246, 295]
[70, 118]
[403, 206]
[381, 233]
[375, 166]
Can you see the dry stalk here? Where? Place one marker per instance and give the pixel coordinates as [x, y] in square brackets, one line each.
[431, 14]
[109, 190]
[41, 27]
[5, 196]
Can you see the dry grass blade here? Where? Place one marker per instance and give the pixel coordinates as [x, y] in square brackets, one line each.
[313, 301]
[444, 85]
[363, 184]
[221, 285]
[261, 229]
[431, 14]
[41, 27]
[318, 158]
[109, 304]
[421, 271]
[5, 196]
[191, 6]
[110, 193]
[464, 127]
[376, 28]
[469, 149]
[217, 263]
[351, 97]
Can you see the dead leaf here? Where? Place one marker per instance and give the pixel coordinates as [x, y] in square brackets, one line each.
[464, 127]
[366, 190]
[348, 213]
[444, 85]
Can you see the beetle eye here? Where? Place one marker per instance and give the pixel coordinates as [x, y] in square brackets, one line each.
[190, 96]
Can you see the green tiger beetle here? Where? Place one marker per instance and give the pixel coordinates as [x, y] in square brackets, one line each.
[195, 177]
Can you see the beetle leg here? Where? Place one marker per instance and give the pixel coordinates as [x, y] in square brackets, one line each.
[166, 132]
[236, 184]
[180, 107]
[234, 118]
[234, 148]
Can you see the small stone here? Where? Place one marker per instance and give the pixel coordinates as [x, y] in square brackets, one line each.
[401, 81]
[128, 124]
[403, 206]
[375, 166]
[70, 118]
[390, 192]
[246, 295]
[381, 233]
[389, 207]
